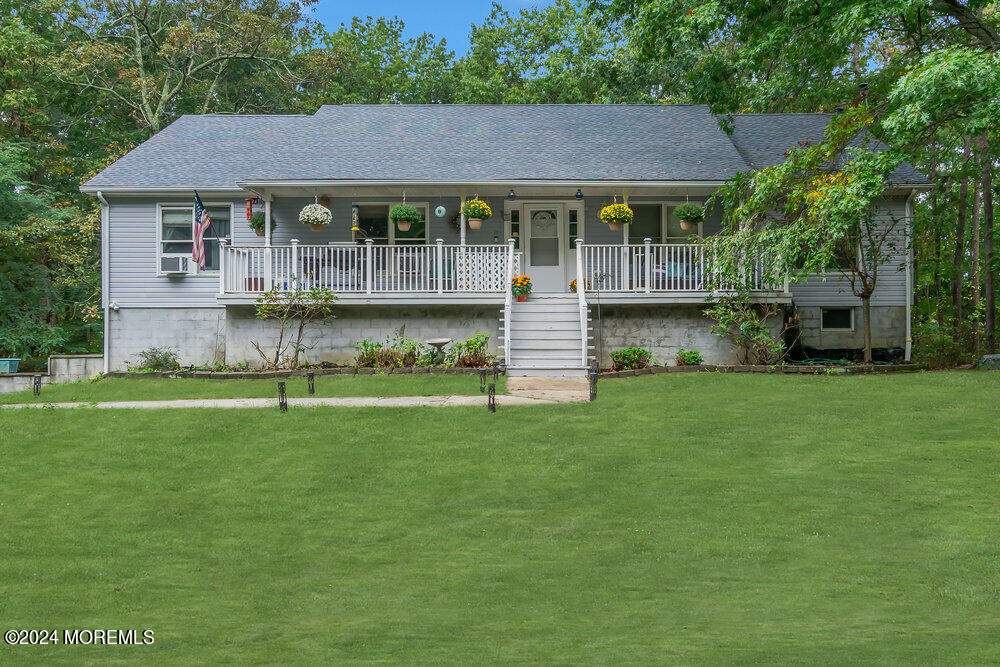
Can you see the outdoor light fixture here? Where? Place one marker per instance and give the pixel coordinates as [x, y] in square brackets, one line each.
[511, 195]
[579, 194]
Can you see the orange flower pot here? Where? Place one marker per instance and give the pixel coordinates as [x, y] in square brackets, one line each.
[522, 297]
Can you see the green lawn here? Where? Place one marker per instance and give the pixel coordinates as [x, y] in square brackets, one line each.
[159, 388]
[684, 517]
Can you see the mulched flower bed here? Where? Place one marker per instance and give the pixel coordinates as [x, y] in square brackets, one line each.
[789, 369]
[251, 375]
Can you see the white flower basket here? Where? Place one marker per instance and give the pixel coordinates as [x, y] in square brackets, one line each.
[316, 216]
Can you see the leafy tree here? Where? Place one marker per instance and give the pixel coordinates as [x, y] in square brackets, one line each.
[159, 59]
[547, 55]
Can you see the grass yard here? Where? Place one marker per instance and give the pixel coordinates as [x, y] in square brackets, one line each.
[160, 388]
[683, 517]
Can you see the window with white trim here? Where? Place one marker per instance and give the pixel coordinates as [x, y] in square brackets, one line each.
[837, 319]
[177, 236]
[374, 223]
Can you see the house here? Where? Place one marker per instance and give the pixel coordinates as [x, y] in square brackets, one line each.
[545, 170]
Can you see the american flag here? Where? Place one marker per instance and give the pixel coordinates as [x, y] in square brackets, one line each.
[200, 224]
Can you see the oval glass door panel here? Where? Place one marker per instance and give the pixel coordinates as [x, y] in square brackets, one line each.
[544, 238]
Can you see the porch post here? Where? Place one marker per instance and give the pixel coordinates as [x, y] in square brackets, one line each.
[369, 265]
[439, 261]
[295, 264]
[461, 221]
[649, 268]
[268, 273]
[222, 266]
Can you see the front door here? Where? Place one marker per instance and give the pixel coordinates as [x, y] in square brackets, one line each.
[544, 252]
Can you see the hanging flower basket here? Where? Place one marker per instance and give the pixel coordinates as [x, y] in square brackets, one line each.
[316, 216]
[476, 210]
[689, 215]
[616, 215]
[404, 216]
[256, 223]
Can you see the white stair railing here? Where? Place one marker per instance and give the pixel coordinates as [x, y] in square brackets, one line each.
[581, 288]
[508, 302]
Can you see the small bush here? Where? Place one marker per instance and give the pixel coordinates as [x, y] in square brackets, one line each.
[631, 358]
[156, 359]
[390, 353]
[688, 357]
[473, 352]
[938, 347]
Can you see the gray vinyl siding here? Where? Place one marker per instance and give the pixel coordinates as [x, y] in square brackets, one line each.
[835, 290]
[133, 255]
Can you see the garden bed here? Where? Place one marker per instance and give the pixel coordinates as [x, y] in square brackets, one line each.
[300, 372]
[787, 369]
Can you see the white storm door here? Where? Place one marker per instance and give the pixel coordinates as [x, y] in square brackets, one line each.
[544, 248]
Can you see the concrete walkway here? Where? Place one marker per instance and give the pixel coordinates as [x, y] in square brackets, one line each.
[521, 391]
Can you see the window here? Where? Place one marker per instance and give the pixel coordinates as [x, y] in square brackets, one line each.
[176, 233]
[674, 232]
[374, 223]
[515, 227]
[837, 319]
[646, 223]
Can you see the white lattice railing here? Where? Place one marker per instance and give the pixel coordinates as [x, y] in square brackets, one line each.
[369, 268]
[663, 268]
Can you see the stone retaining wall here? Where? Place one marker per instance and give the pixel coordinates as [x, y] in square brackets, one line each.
[61, 368]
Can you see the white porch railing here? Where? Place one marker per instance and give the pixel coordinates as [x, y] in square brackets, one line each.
[369, 268]
[656, 268]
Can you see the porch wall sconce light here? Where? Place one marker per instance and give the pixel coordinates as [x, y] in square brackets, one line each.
[511, 195]
[579, 194]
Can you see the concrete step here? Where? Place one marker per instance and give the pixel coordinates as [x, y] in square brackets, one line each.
[554, 371]
[531, 344]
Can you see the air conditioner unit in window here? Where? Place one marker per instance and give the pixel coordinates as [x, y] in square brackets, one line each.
[174, 265]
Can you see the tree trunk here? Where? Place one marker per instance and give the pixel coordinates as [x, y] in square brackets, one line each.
[866, 308]
[977, 306]
[958, 277]
[989, 298]
[936, 233]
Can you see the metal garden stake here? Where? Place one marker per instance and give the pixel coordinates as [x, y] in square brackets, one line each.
[282, 399]
[312, 382]
[36, 384]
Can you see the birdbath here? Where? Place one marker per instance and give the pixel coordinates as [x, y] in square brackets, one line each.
[438, 344]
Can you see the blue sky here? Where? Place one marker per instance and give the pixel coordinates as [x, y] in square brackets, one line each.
[444, 18]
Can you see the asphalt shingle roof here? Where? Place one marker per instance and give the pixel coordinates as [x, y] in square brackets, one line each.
[458, 143]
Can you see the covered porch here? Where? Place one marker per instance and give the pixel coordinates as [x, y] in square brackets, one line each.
[550, 231]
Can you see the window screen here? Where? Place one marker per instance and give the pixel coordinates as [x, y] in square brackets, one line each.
[645, 223]
[838, 318]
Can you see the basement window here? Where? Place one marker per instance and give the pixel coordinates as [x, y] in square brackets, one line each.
[837, 319]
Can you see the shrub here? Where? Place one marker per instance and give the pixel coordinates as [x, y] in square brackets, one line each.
[748, 325]
[473, 352]
[477, 208]
[938, 347]
[688, 357]
[156, 359]
[293, 311]
[630, 358]
[690, 213]
[390, 353]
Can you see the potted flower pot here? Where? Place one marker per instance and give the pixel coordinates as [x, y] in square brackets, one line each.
[258, 232]
[615, 226]
[403, 226]
[522, 297]
[475, 223]
[317, 228]
[615, 215]
[687, 225]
